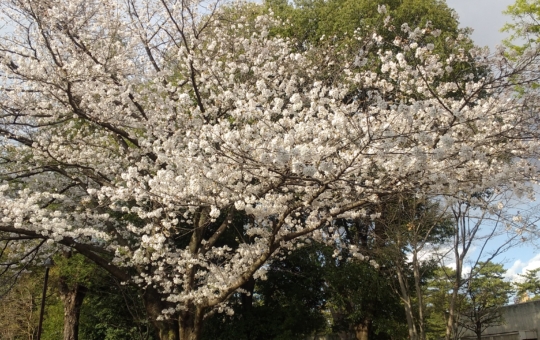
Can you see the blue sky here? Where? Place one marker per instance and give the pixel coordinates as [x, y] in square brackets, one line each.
[486, 18]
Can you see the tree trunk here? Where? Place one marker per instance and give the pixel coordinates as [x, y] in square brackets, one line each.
[419, 293]
[451, 326]
[406, 299]
[407, 305]
[478, 330]
[72, 298]
[450, 323]
[191, 323]
[167, 329]
[247, 296]
[362, 330]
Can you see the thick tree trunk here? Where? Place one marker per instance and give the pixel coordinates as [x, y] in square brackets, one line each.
[191, 323]
[362, 330]
[167, 329]
[72, 298]
[187, 324]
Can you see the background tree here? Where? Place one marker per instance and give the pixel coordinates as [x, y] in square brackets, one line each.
[361, 301]
[529, 287]
[74, 276]
[486, 292]
[19, 308]
[114, 311]
[413, 228]
[94, 304]
[108, 311]
[311, 19]
[288, 304]
[476, 221]
[437, 293]
[525, 26]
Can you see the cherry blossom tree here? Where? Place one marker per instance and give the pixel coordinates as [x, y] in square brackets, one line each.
[139, 132]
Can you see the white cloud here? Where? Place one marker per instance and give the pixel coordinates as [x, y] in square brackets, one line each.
[514, 270]
[520, 267]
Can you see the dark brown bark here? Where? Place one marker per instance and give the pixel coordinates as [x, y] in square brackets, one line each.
[167, 329]
[72, 295]
[191, 323]
[362, 330]
[247, 296]
[72, 298]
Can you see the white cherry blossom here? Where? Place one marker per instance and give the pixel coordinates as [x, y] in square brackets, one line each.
[140, 132]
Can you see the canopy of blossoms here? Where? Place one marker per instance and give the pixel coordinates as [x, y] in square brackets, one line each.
[138, 132]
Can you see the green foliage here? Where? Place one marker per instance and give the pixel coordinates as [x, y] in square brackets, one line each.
[485, 293]
[311, 292]
[288, 305]
[530, 287]
[113, 312]
[109, 311]
[312, 19]
[487, 285]
[478, 302]
[53, 319]
[359, 293]
[75, 269]
[20, 306]
[437, 296]
[525, 26]
[331, 24]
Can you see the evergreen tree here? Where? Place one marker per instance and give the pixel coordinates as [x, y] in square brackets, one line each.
[529, 288]
[486, 292]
